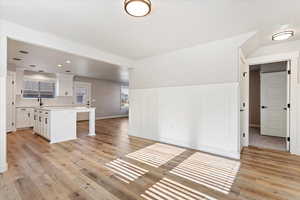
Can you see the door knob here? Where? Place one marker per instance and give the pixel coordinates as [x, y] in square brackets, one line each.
[264, 107]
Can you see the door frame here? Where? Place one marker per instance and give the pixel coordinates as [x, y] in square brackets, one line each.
[243, 135]
[293, 57]
[13, 75]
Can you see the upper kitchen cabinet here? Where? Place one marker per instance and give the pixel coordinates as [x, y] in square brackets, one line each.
[64, 85]
[19, 81]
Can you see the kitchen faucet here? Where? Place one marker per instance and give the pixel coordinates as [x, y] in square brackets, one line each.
[41, 102]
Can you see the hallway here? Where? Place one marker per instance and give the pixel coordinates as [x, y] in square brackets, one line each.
[263, 141]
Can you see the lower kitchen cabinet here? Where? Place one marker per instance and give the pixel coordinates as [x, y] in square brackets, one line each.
[25, 117]
[41, 123]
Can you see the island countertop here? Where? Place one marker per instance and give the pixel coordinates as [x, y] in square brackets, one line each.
[75, 108]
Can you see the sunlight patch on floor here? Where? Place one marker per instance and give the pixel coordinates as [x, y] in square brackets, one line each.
[169, 189]
[156, 154]
[125, 171]
[211, 171]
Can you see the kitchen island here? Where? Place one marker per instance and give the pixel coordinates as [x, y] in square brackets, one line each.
[58, 124]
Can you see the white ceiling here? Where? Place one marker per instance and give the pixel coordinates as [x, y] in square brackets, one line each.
[47, 60]
[173, 24]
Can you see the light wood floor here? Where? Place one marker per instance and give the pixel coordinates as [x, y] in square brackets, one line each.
[77, 170]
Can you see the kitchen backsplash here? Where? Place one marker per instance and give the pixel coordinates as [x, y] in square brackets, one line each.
[58, 101]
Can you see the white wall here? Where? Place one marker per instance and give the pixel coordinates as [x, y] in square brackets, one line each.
[105, 97]
[251, 44]
[215, 62]
[285, 47]
[189, 97]
[3, 71]
[201, 117]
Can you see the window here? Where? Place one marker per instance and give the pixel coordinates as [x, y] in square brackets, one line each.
[31, 89]
[47, 89]
[124, 97]
[38, 89]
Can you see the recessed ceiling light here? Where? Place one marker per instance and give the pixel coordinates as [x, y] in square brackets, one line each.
[59, 65]
[68, 61]
[68, 71]
[17, 59]
[284, 35]
[137, 8]
[23, 52]
[32, 65]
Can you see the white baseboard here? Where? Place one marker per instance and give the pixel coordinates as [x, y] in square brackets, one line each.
[207, 149]
[255, 125]
[111, 117]
[3, 168]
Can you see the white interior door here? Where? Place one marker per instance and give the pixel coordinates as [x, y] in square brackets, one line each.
[244, 99]
[274, 104]
[82, 97]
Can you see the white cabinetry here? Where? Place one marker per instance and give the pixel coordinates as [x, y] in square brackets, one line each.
[65, 85]
[41, 123]
[25, 117]
[35, 120]
[58, 124]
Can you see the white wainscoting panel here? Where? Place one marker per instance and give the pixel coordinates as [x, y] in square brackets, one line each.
[295, 145]
[201, 117]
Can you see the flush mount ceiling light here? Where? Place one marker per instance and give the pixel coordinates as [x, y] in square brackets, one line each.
[284, 35]
[137, 8]
[59, 65]
[68, 61]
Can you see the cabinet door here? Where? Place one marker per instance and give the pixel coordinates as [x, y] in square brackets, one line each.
[35, 120]
[42, 124]
[19, 81]
[30, 115]
[22, 118]
[39, 122]
[65, 85]
[46, 126]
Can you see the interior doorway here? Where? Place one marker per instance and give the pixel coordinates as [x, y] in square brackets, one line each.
[269, 98]
[82, 97]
